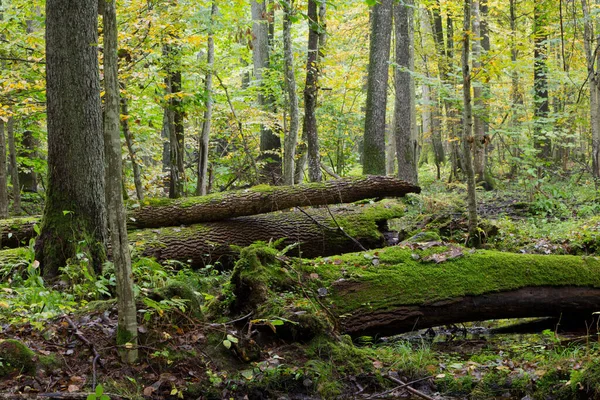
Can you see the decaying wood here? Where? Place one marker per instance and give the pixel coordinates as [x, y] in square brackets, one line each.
[264, 199]
[315, 231]
[16, 232]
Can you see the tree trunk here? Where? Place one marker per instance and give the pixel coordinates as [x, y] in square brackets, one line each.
[405, 112]
[593, 57]
[376, 104]
[394, 290]
[135, 162]
[14, 168]
[121, 258]
[202, 187]
[220, 206]
[540, 79]
[3, 174]
[74, 218]
[310, 94]
[291, 138]
[478, 120]
[270, 144]
[467, 135]
[315, 231]
[27, 174]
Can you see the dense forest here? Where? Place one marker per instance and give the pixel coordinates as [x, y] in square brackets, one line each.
[299, 199]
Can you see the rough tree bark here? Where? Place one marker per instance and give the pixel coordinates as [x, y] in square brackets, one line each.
[3, 174]
[219, 206]
[379, 55]
[203, 178]
[127, 326]
[14, 167]
[593, 60]
[478, 121]
[291, 138]
[315, 231]
[309, 128]
[405, 130]
[467, 134]
[75, 212]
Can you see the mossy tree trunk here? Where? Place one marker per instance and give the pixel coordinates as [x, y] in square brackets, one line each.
[127, 327]
[74, 217]
[394, 290]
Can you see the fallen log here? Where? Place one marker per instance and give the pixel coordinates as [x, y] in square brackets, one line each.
[396, 289]
[15, 232]
[315, 231]
[264, 199]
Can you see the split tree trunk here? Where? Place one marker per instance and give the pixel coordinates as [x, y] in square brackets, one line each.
[315, 230]
[220, 206]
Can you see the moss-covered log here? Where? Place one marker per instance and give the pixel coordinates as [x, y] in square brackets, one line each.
[395, 290]
[315, 231]
[15, 232]
[263, 199]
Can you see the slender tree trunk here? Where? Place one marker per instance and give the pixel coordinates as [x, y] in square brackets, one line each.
[202, 187]
[467, 136]
[3, 174]
[14, 168]
[540, 79]
[27, 174]
[291, 138]
[376, 105]
[593, 57]
[127, 327]
[310, 94]
[478, 122]
[270, 144]
[405, 112]
[390, 148]
[135, 162]
[74, 218]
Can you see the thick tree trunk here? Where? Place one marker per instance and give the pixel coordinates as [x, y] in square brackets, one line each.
[397, 290]
[3, 174]
[309, 128]
[593, 57]
[291, 138]
[75, 212]
[121, 257]
[377, 83]
[405, 130]
[219, 206]
[315, 231]
[467, 134]
[202, 187]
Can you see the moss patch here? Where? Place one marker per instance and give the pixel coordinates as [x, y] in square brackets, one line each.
[15, 357]
[415, 281]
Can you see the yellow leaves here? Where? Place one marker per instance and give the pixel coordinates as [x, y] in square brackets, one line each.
[195, 40]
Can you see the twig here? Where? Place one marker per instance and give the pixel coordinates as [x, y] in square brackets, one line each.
[80, 336]
[409, 388]
[403, 386]
[231, 322]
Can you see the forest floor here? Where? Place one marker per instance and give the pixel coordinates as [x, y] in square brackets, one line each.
[70, 327]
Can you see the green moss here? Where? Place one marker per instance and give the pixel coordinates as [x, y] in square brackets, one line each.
[474, 273]
[455, 386]
[422, 237]
[363, 225]
[590, 380]
[181, 290]
[16, 357]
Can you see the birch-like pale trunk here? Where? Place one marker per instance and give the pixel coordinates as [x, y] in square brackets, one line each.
[127, 326]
